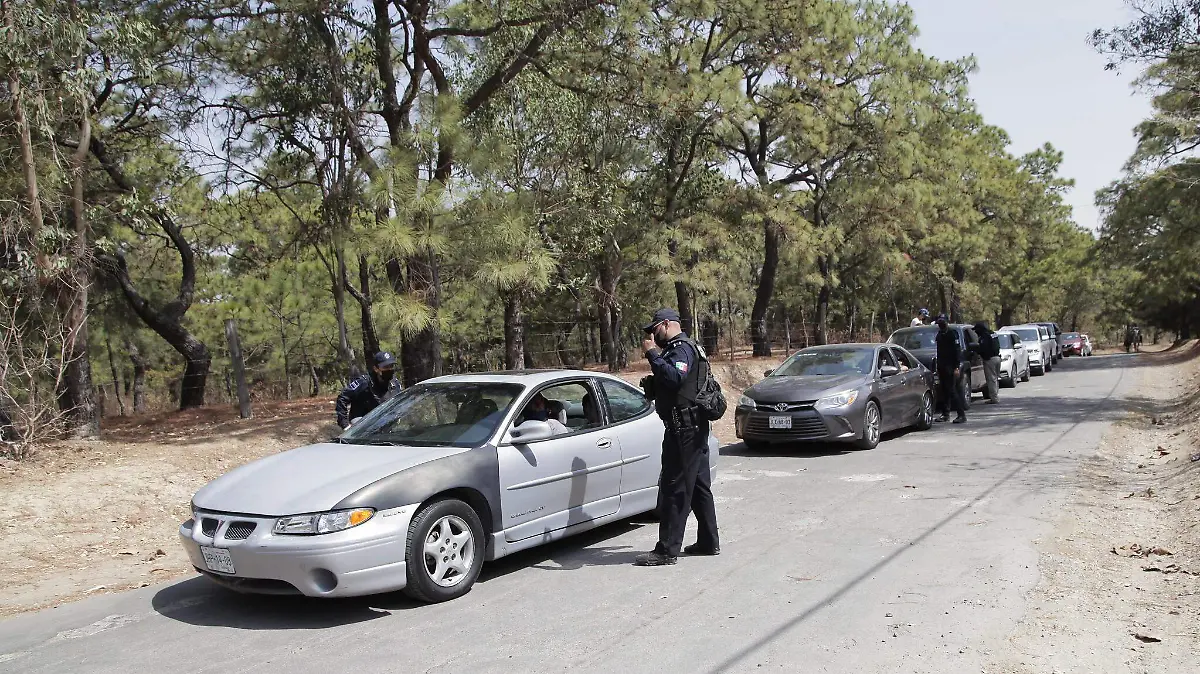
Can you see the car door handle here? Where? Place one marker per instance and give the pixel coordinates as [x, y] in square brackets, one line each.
[604, 443]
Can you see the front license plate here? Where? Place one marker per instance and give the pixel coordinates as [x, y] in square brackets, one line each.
[781, 422]
[217, 559]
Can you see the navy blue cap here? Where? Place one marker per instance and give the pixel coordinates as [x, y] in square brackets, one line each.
[384, 359]
[661, 315]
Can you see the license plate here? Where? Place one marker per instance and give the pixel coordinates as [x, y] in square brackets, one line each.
[217, 559]
[781, 422]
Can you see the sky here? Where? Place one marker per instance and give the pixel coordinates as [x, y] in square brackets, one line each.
[1040, 81]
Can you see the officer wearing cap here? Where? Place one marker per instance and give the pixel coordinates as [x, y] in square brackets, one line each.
[366, 392]
[686, 484]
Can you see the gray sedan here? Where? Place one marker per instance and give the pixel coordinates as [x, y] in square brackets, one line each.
[420, 492]
[841, 393]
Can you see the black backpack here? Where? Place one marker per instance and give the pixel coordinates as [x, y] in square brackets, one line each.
[709, 398]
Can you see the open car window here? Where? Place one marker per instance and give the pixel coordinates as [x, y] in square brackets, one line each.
[569, 407]
[624, 401]
[905, 359]
[885, 358]
[459, 414]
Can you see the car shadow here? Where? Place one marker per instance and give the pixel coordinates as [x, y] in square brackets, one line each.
[572, 553]
[201, 602]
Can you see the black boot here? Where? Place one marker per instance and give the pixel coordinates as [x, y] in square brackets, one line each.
[961, 418]
[654, 559]
[697, 549]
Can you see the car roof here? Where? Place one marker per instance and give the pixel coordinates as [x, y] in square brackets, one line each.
[525, 377]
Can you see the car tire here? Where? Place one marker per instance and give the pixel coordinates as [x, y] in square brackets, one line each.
[925, 415]
[966, 392]
[872, 426]
[446, 527]
[1025, 377]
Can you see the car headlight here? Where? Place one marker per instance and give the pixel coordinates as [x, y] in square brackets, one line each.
[746, 401]
[843, 399]
[322, 523]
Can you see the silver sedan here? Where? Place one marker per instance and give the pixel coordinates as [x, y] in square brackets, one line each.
[420, 492]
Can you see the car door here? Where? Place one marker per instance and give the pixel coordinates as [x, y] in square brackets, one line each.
[640, 433]
[890, 389]
[914, 383]
[568, 479]
[970, 341]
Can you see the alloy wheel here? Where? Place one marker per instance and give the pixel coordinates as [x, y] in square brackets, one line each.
[871, 424]
[449, 551]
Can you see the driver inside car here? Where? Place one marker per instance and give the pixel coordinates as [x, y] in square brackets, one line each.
[538, 409]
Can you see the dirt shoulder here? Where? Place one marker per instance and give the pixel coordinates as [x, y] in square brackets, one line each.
[1120, 576]
[90, 517]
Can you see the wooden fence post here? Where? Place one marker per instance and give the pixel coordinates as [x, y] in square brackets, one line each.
[239, 367]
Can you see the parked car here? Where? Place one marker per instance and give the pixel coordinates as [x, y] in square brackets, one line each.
[920, 342]
[429, 485]
[1056, 337]
[1037, 343]
[1087, 345]
[1072, 344]
[1014, 358]
[839, 393]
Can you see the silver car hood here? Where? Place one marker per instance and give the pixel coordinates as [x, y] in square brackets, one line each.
[309, 479]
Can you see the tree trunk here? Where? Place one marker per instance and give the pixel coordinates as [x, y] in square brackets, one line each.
[610, 313]
[112, 364]
[683, 300]
[139, 376]
[26, 142]
[345, 351]
[370, 338]
[83, 414]
[287, 361]
[422, 352]
[959, 275]
[514, 333]
[1005, 317]
[710, 333]
[822, 336]
[765, 291]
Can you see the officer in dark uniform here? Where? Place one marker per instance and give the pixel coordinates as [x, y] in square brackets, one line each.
[366, 392]
[949, 368]
[686, 484]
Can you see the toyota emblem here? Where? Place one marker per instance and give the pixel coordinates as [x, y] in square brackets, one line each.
[782, 407]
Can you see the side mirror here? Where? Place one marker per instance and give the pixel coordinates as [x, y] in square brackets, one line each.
[768, 373]
[530, 431]
[889, 371]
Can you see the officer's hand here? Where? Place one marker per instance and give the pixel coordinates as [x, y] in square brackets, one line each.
[648, 344]
[957, 371]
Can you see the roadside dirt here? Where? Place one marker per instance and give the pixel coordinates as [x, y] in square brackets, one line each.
[1120, 576]
[91, 517]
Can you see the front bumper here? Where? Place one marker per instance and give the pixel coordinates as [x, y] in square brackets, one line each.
[808, 425]
[1072, 350]
[367, 559]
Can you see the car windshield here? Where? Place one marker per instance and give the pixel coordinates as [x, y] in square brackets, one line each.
[827, 363]
[1071, 335]
[921, 338]
[1028, 334]
[459, 414]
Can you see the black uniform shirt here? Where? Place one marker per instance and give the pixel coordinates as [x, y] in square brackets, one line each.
[672, 368]
[360, 397]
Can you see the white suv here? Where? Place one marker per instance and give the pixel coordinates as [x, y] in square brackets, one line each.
[1014, 358]
[1037, 343]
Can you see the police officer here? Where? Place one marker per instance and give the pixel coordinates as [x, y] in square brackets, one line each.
[949, 368]
[366, 392]
[686, 484]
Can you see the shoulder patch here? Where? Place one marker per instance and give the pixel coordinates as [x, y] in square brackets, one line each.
[355, 385]
[681, 366]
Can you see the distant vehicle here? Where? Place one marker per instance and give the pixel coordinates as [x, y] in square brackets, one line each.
[920, 342]
[1072, 344]
[837, 393]
[1056, 337]
[1037, 343]
[444, 476]
[1014, 358]
[1087, 345]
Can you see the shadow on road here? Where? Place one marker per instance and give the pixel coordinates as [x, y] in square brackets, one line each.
[200, 602]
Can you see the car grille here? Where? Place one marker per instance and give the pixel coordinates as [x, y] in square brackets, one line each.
[208, 525]
[790, 407]
[239, 531]
[803, 426]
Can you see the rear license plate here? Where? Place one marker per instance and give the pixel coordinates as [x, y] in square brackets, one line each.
[781, 422]
[217, 559]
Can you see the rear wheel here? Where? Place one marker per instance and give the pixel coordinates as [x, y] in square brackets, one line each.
[966, 392]
[1025, 376]
[925, 416]
[872, 427]
[444, 551]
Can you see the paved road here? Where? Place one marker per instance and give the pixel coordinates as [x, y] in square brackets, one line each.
[913, 557]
